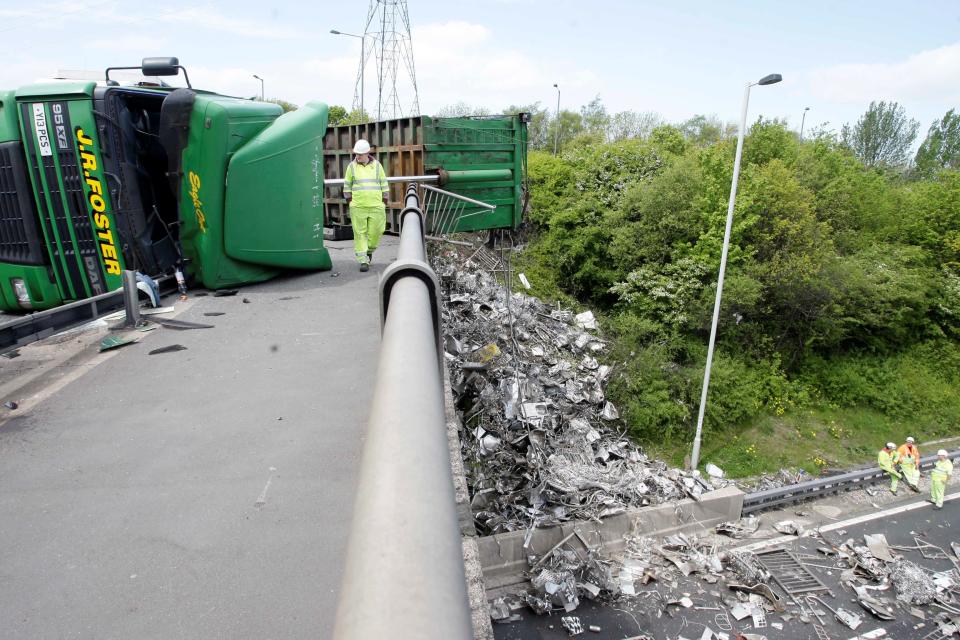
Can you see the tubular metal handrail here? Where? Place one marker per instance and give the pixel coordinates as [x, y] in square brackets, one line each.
[338, 182]
[404, 574]
[793, 493]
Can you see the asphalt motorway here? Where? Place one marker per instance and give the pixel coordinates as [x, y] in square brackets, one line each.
[203, 493]
[644, 614]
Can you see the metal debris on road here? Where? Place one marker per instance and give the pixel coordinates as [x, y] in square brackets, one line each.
[572, 625]
[171, 348]
[541, 443]
[180, 325]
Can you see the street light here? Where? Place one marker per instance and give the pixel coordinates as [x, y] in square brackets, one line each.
[556, 136]
[261, 86]
[773, 78]
[363, 60]
[803, 121]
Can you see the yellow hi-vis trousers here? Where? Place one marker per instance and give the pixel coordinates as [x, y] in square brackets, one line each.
[910, 472]
[368, 224]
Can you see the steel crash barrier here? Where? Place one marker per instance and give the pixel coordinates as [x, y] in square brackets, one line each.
[404, 574]
[23, 330]
[811, 489]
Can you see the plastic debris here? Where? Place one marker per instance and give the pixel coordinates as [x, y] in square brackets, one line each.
[115, 342]
[10, 404]
[180, 325]
[586, 320]
[149, 286]
[713, 470]
[789, 527]
[168, 349]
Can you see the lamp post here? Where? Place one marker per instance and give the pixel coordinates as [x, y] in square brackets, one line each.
[773, 78]
[363, 61]
[261, 85]
[803, 121]
[556, 135]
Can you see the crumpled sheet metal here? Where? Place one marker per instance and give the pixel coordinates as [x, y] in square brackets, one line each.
[541, 442]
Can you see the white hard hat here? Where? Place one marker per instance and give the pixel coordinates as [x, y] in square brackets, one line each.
[361, 147]
[942, 452]
[890, 445]
[910, 440]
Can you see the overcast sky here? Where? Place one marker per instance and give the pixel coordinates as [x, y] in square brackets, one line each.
[676, 58]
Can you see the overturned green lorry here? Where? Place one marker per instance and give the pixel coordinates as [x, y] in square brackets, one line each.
[99, 177]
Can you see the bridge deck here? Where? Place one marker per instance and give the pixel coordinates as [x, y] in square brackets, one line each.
[205, 493]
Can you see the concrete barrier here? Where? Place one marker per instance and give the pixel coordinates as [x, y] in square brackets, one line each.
[504, 558]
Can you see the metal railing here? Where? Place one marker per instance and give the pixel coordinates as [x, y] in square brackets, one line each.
[793, 493]
[404, 574]
[445, 209]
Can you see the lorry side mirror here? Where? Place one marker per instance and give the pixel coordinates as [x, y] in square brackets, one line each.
[160, 66]
[154, 67]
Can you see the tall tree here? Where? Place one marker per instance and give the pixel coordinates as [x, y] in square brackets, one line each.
[595, 117]
[882, 136]
[570, 124]
[461, 110]
[703, 130]
[941, 149]
[337, 114]
[537, 137]
[632, 124]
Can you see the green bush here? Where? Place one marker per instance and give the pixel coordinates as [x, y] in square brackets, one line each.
[842, 289]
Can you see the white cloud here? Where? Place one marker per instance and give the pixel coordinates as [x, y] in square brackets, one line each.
[62, 14]
[205, 18]
[137, 44]
[925, 76]
[464, 62]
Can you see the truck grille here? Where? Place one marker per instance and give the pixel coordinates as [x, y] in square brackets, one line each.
[74, 252]
[20, 241]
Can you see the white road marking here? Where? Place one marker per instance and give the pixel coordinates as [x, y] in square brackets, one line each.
[772, 542]
[262, 500]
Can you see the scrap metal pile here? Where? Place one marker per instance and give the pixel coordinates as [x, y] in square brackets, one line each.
[537, 434]
[686, 575]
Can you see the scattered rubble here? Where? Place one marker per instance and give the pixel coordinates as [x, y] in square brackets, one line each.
[542, 445]
[538, 434]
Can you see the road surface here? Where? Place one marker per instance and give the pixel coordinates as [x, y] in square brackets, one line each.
[203, 493]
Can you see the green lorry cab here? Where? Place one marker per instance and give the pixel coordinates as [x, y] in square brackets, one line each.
[96, 178]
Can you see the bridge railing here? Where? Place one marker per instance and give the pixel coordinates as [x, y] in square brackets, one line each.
[404, 574]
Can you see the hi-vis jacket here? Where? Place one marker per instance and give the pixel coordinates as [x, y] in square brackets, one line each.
[941, 470]
[887, 459]
[909, 454]
[367, 183]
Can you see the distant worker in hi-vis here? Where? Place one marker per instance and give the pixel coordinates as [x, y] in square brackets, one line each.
[910, 463]
[366, 190]
[888, 459]
[942, 471]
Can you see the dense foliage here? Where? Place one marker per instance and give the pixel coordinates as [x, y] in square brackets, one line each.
[842, 288]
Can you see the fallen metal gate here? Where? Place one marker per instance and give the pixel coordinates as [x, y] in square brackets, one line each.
[789, 573]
